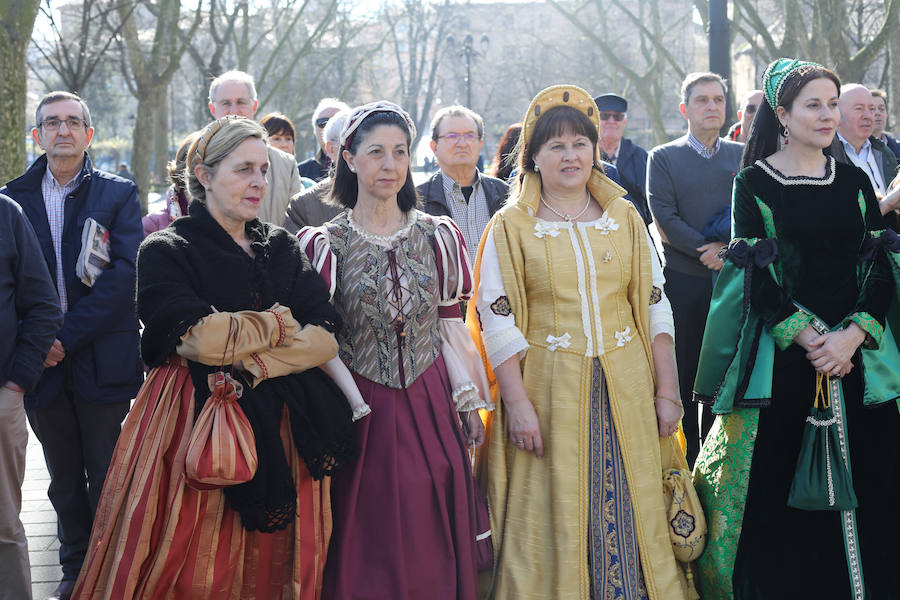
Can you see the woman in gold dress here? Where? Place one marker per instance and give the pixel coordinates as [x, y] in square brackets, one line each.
[571, 316]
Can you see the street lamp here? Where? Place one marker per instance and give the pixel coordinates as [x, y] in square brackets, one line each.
[469, 53]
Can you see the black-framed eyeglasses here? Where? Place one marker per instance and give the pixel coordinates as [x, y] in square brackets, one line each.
[606, 115]
[73, 123]
[468, 136]
[321, 123]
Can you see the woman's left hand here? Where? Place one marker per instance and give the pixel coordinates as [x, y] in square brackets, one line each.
[668, 414]
[473, 428]
[831, 352]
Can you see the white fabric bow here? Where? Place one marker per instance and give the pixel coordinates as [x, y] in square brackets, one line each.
[623, 337]
[605, 224]
[541, 229]
[558, 342]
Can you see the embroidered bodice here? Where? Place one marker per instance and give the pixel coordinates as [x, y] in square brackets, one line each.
[577, 278]
[388, 290]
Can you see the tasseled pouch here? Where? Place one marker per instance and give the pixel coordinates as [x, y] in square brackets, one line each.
[822, 480]
[222, 448]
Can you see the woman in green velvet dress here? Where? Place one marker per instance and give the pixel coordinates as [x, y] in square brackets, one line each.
[799, 305]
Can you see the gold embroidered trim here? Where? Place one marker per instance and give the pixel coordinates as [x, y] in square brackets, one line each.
[768, 219]
[785, 331]
[871, 326]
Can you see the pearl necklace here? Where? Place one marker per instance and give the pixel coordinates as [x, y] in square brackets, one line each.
[567, 216]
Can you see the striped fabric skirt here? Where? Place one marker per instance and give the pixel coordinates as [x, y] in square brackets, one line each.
[155, 537]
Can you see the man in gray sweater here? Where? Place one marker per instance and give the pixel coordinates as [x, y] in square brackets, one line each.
[689, 184]
[30, 318]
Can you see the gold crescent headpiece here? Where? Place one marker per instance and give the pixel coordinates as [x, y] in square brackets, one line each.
[559, 95]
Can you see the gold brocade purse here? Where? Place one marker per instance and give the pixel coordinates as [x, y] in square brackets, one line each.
[685, 520]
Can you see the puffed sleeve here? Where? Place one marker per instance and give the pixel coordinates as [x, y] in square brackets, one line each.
[661, 320]
[502, 338]
[876, 291]
[464, 367]
[316, 243]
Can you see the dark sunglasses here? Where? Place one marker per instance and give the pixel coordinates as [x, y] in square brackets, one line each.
[321, 123]
[614, 115]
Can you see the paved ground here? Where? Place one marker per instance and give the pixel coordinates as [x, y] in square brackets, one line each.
[40, 523]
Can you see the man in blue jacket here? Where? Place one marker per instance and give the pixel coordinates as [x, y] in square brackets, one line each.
[93, 368]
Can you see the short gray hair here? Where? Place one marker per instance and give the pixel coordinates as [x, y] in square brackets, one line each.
[59, 96]
[692, 79]
[213, 144]
[327, 103]
[335, 124]
[456, 111]
[232, 76]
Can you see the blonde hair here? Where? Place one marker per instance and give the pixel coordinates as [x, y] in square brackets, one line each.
[214, 143]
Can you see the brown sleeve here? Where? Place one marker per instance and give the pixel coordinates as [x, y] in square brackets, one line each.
[312, 346]
[225, 338]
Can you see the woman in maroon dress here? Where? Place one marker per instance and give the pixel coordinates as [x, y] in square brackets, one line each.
[404, 523]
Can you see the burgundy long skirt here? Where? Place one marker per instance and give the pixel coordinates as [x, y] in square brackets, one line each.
[403, 515]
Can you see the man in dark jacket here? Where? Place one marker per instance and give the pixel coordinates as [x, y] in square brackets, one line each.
[854, 143]
[316, 168]
[629, 159]
[880, 122]
[29, 320]
[459, 190]
[93, 367]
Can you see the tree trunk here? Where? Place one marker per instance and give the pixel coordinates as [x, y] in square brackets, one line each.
[142, 144]
[17, 22]
[161, 137]
[894, 97]
[720, 51]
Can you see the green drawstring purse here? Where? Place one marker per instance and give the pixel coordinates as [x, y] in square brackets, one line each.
[822, 480]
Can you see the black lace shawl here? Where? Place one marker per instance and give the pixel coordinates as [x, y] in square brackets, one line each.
[193, 265]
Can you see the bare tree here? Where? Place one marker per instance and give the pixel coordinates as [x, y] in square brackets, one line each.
[74, 53]
[207, 51]
[645, 72]
[848, 36]
[17, 22]
[151, 70]
[417, 33]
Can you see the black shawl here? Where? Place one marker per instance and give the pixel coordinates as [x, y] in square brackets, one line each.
[193, 265]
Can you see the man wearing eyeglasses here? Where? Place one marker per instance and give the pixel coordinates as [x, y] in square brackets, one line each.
[93, 368]
[629, 159]
[316, 168]
[749, 105]
[234, 93]
[458, 189]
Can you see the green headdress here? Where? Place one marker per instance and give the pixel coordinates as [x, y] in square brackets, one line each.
[777, 73]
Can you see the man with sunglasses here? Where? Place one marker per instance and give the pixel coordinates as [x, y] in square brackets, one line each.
[93, 368]
[749, 105]
[316, 168]
[459, 190]
[629, 159]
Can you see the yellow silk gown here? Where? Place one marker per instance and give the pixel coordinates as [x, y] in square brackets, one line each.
[579, 294]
